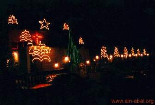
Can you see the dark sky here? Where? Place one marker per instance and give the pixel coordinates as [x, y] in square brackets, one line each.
[100, 22]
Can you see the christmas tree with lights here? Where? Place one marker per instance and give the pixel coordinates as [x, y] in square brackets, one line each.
[116, 52]
[104, 52]
[125, 52]
[72, 51]
[25, 36]
[132, 51]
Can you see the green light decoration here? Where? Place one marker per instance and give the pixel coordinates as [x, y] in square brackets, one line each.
[73, 53]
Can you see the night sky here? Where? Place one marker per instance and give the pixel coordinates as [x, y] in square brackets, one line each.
[111, 23]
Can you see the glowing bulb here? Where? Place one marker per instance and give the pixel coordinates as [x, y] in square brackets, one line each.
[56, 65]
[66, 59]
[15, 56]
[88, 62]
[97, 57]
[129, 55]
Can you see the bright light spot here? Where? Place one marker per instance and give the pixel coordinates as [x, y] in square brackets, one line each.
[15, 56]
[122, 56]
[66, 59]
[56, 65]
[88, 62]
[97, 57]
[129, 55]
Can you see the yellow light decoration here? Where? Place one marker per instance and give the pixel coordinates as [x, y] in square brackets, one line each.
[104, 52]
[56, 65]
[110, 58]
[65, 27]
[12, 20]
[122, 55]
[66, 59]
[132, 51]
[81, 40]
[116, 52]
[141, 55]
[147, 54]
[88, 62]
[7, 62]
[138, 52]
[40, 52]
[44, 26]
[130, 55]
[15, 56]
[144, 51]
[25, 36]
[97, 57]
[125, 52]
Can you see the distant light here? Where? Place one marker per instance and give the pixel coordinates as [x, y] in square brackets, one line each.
[12, 20]
[97, 57]
[56, 65]
[122, 55]
[147, 54]
[129, 55]
[66, 59]
[88, 62]
[15, 56]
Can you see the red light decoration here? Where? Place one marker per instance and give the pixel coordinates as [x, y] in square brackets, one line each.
[40, 52]
[44, 26]
[37, 38]
[12, 20]
[65, 27]
[25, 36]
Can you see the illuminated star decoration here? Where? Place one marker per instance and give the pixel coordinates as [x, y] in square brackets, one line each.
[44, 26]
[81, 40]
[37, 38]
[40, 52]
[65, 27]
[12, 20]
[25, 36]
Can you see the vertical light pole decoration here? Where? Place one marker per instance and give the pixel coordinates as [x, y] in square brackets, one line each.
[72, 50]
